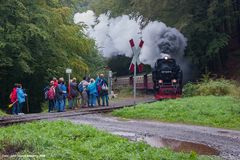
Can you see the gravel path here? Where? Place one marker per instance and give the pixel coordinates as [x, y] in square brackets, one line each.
[226, 141]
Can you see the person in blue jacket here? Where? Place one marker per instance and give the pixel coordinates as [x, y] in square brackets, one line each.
[103, 89]
[21, 99]
[59, 94]
[64, 89]
[93, 93]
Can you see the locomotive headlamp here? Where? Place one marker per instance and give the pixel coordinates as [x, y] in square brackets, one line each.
[174, 81]
[166, 58]
[160, 81]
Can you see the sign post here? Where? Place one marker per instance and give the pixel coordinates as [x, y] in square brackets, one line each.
[69, 71]
[135, 62]
[109, 82]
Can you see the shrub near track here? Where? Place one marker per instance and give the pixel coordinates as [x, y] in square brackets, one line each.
[222, 111]
[216, 87]
[65, 140]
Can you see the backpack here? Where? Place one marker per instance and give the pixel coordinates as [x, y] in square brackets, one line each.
[51, 94]
[46, 89]
[74, 89]
[80, 87]
[104, 87]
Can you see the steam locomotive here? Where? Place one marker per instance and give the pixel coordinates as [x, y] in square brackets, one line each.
[165, 80]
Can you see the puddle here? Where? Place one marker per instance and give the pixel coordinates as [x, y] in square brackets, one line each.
[175, 145]
[125, 134]
[180, 146]
[223, 132]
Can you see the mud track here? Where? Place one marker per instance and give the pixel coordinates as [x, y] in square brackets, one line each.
[227, 142]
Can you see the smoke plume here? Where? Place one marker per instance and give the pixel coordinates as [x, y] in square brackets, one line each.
[112, 36]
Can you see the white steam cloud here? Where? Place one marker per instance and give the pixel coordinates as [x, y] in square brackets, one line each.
[112, 36]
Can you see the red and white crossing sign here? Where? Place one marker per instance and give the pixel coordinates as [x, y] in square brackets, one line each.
[136, 53]
[135, 62]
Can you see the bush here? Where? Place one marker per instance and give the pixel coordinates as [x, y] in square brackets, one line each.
[190, 89]
[218, 87]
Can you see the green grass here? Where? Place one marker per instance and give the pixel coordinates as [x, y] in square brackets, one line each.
[65, 140]
[2, 113]
[223, 111]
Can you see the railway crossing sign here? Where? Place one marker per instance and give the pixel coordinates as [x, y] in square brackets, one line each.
[135, 62]
[136, 53]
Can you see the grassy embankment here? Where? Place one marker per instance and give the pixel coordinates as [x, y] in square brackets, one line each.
[64, 140]
[201, 110]
[2, 113]
[212, 103]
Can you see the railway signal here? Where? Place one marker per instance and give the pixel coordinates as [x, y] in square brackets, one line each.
[135, 62]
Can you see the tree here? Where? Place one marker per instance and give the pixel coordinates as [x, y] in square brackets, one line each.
[38, 41]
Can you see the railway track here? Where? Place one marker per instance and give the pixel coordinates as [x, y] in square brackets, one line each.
[9, 120]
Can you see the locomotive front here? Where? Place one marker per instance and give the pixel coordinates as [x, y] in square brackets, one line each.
[167, 79]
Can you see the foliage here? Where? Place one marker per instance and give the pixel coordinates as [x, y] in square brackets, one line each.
[116, 7]
[38, 41]
[211, 111]
[120, 64]
[218, 87]
[65, 140]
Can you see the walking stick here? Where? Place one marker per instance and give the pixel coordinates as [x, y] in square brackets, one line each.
[27, 104]
[10, 105]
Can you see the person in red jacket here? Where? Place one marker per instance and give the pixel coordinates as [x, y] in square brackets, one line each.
[55, 82]
[14, 100]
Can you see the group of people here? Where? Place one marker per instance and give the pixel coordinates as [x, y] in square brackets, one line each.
[17, 99]
[86, 93]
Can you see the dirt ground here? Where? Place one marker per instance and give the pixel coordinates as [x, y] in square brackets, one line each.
[226, 142]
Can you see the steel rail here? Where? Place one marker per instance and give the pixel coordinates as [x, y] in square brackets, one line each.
[10, 120]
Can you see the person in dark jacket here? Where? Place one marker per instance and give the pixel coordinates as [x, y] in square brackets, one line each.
[73, 94]
[82, 87]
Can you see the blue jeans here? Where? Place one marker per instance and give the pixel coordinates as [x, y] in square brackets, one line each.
[60, 105]
[93, 99]
[20, 106]
[64, 103]
[104, 99]
[15, 108]
[72, 103]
